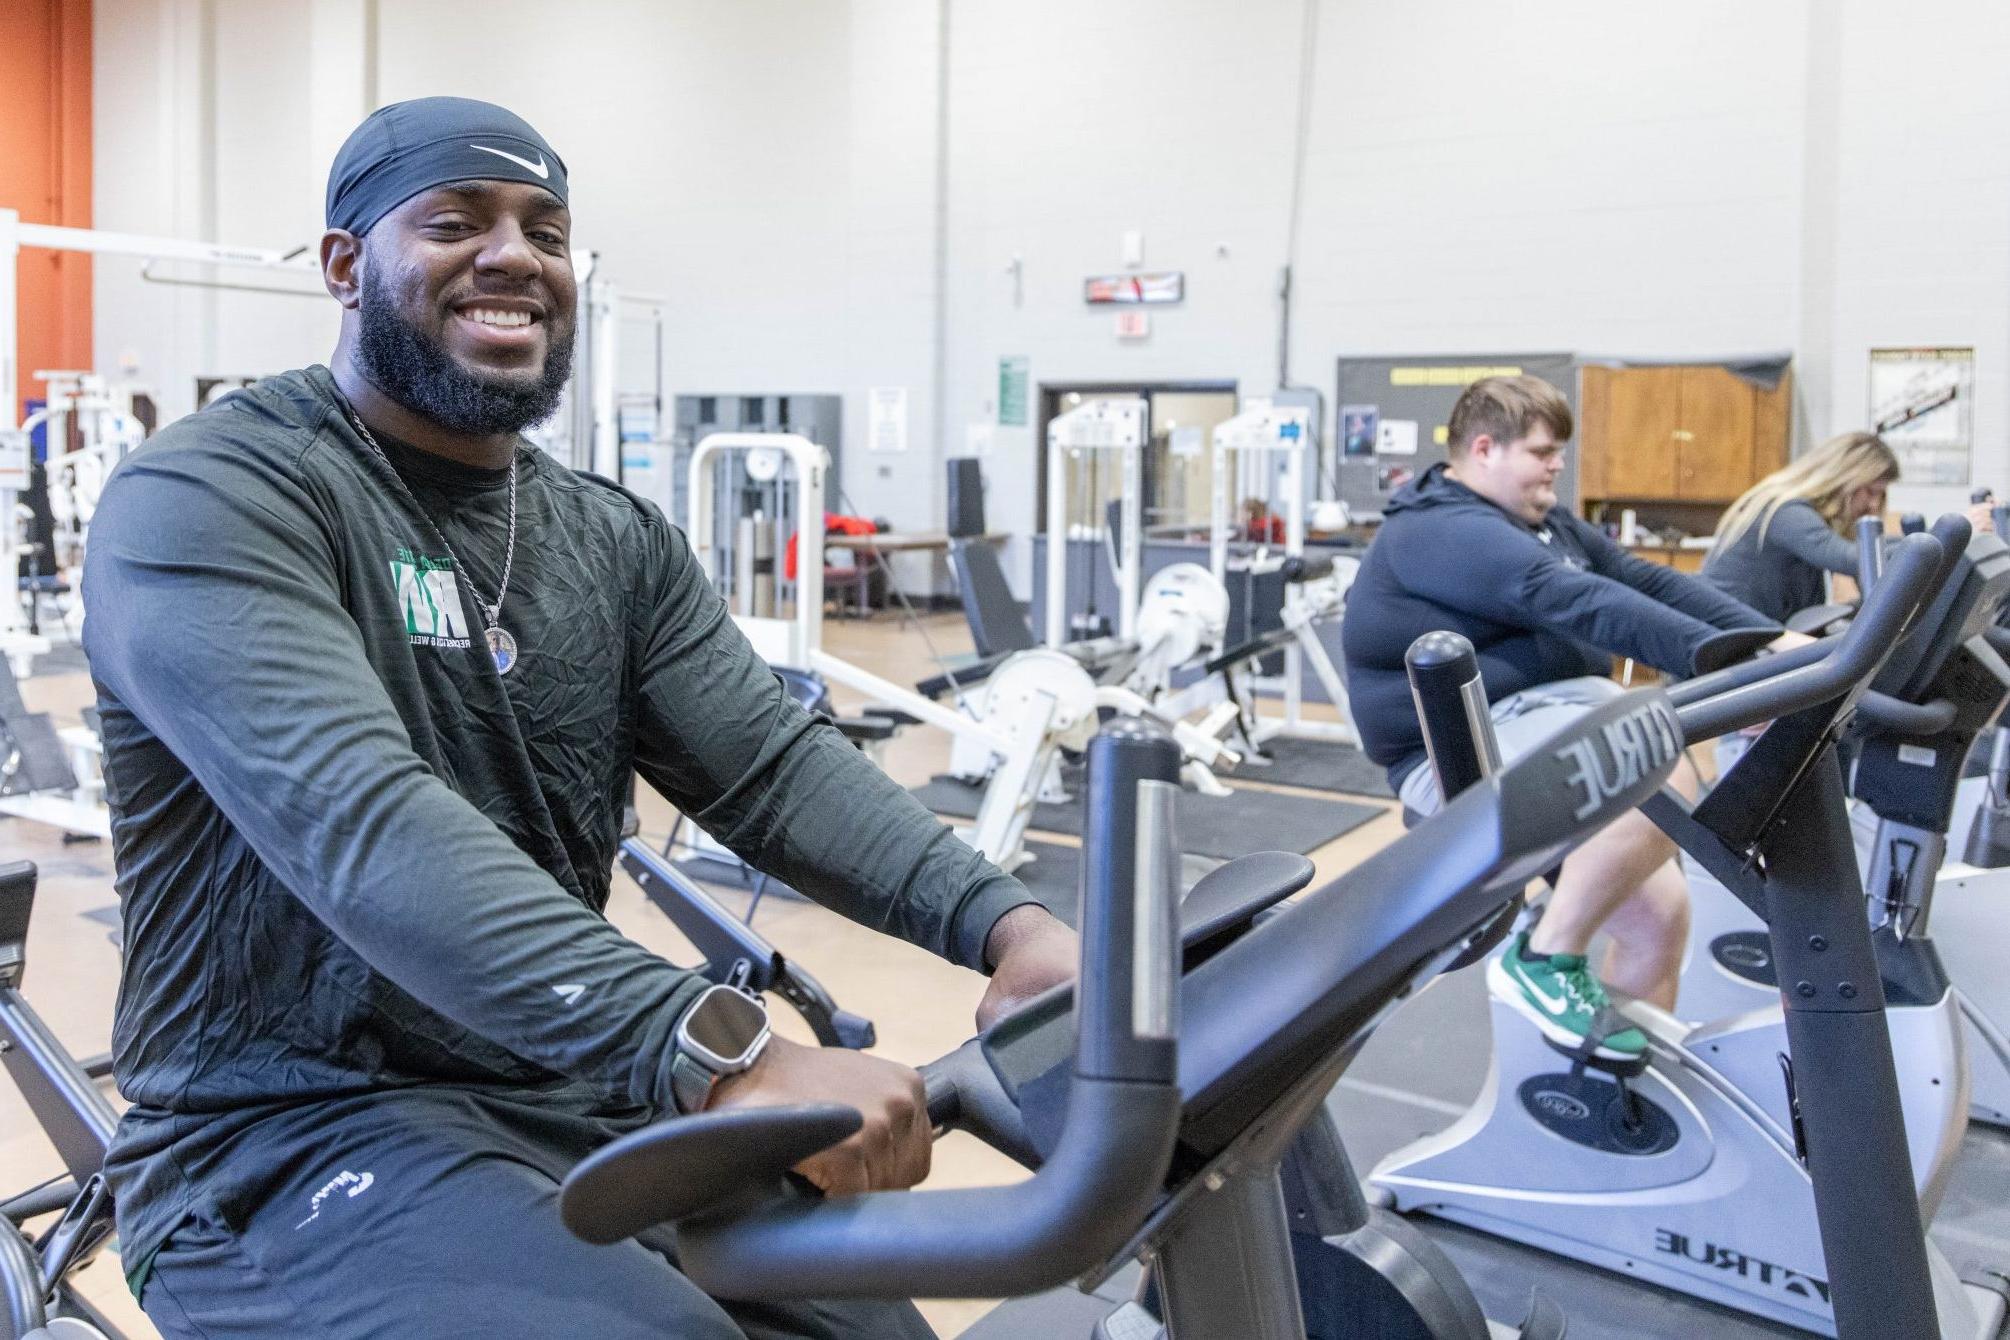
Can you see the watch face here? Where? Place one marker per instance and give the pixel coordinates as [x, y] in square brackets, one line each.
[726, 1023]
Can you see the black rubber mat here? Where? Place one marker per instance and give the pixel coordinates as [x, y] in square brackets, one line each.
[65, 658]
[1226, 827]
[1321, 765]
[1054, 875]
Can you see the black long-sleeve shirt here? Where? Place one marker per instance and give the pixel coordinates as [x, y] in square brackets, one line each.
[352, 857]
[1539, 604]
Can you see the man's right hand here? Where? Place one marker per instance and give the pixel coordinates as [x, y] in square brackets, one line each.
[890, 1152]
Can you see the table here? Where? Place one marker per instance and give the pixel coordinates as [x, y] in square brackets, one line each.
[894, 542]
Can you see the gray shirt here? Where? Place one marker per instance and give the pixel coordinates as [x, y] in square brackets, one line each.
[1785, 569]
[353, 858]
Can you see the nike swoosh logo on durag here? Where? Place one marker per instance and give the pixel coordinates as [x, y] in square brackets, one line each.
[542, 169]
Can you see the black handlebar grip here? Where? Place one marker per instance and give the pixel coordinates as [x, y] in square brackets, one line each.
[1129, 987]
[1912, 523]
[1302, 569]
[1869, 552]
[1451, 704]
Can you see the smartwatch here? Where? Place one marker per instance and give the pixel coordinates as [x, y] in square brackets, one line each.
[723, 1033]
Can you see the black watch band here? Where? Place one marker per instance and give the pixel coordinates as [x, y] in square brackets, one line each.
[691, 1083]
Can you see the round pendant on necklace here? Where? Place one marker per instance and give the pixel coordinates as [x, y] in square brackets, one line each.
[503, 647]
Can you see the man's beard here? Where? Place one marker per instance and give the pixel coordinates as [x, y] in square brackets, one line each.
[416, 371]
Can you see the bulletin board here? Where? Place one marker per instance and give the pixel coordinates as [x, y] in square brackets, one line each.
[1389, 420]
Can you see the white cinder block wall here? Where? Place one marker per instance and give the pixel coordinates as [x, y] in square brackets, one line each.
[1921, 214]
[1613, 179]
[832, 194]
[201, 131]
[1071, 124]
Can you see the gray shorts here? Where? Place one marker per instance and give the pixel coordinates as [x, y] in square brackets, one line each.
[1521, 722]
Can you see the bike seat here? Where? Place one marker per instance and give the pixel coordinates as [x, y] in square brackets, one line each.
[1727, 648]
[1820, 620]
[1229, 898]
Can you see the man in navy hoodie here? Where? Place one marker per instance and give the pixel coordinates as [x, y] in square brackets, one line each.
[1478, 546]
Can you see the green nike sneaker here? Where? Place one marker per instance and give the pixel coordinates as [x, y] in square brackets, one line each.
[1561, 997]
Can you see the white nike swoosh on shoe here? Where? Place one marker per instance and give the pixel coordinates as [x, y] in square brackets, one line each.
[1561, 1036]
[540, 167]
[1554, 1004]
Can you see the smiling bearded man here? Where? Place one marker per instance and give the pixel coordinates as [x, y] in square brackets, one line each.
[375, 677]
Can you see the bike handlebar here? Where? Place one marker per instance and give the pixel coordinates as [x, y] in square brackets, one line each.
[1093, 1187]
[1777, 686]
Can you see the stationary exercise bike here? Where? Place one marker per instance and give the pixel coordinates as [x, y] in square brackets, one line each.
[1156, 1116]
[1939, 926]
[1723, 1165]
[37, 1300]
[1972, 913]
[1360, 1269]
[1971, 908]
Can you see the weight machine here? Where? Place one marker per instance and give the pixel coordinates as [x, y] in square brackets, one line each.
[109, 432]
[1257, 453]
[1097, 430]
[586, 433]
[1029, 708]
[1164, 622]
[89, 429]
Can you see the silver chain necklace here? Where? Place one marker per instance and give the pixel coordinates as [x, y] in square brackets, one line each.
[502, 646]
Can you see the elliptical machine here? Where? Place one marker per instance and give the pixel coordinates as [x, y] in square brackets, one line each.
[1157, 1115]
[1717, 1166]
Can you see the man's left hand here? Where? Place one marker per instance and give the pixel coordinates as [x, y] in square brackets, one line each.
[1030, 950]
[1788, 641]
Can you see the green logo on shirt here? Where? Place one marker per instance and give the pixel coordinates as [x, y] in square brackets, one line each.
[430, 599]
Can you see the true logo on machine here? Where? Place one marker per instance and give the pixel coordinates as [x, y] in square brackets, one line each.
[1563, 1106]
[1643, 740]
[1745, 956]
[1745, 1266]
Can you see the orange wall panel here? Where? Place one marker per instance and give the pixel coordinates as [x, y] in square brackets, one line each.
[45, 173]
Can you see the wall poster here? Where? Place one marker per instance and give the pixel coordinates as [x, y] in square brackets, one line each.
[1014, 379]
[1358, 427]
[1922, 402]
[886, 419]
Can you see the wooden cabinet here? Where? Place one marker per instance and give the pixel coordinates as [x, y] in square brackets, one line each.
[1642, 407]
[1698, 434]
[1682, 560]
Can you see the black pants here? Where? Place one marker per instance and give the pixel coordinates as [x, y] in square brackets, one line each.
[436, 1215]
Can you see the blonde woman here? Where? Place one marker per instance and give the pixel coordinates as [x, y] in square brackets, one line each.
[1777, 543]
